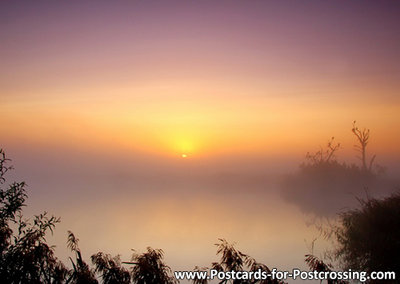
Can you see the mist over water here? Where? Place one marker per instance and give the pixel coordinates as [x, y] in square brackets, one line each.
[182, 206]
[115, 203]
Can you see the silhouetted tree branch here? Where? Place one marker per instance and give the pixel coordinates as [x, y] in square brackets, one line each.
[316, 264]
[149, 268]
[110, 269]
[363, 139]
[234, 260]
[25, 256]
[81, 272]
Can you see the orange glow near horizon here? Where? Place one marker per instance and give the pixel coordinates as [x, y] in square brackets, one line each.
[203, 129]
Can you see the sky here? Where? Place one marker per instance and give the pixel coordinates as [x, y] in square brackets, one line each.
[99, 100]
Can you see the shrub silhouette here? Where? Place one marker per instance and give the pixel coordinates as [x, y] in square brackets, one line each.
[198, 280]
[368, 238]
[110, 269]
[234, 260]
[316, 264]
[149, 268]
[25, 257]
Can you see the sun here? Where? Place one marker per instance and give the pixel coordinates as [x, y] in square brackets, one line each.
[182, 145]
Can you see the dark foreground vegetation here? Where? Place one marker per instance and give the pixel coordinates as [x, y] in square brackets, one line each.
[367, 240]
